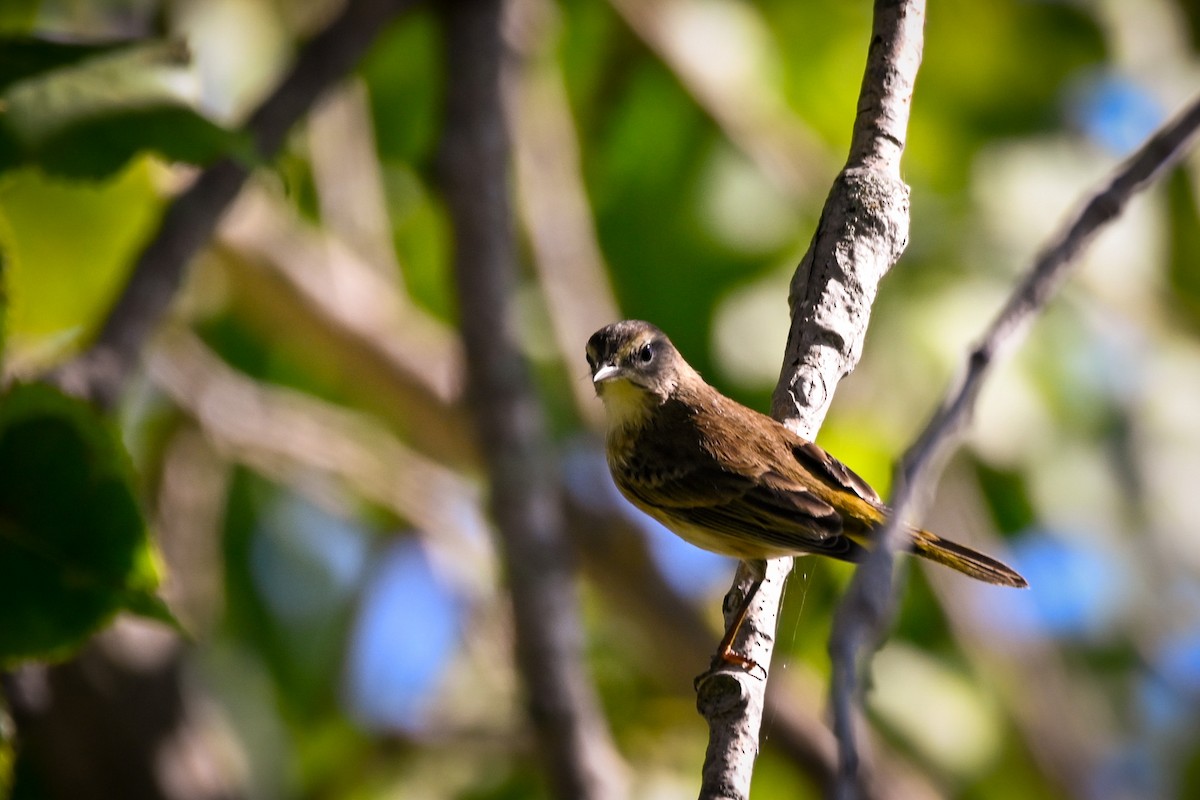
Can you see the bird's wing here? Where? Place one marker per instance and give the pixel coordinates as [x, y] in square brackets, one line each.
[833, 472]
[769, 509]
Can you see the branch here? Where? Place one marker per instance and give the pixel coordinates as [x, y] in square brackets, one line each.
[578, 755]
[273, 288]
[292, 438]
[552, 198]
[861, 234]
[101, 371]
[864, 613]
[118, 720]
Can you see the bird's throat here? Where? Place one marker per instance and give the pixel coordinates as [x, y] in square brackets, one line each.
[626, 404]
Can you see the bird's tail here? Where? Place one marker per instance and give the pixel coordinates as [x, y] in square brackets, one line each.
[965, 560]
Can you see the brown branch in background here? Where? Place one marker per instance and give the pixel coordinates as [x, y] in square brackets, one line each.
[121, 719]
[552, 199]
[573, 740]
[867, 608]
[190, 505]
[1069, 726]
[188, 224]
[861, 234]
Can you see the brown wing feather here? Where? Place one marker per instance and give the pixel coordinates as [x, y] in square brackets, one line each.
[822, 465]
[780, 515]
[750, 486]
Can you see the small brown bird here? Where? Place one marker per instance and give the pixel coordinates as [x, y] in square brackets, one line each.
[731, 480]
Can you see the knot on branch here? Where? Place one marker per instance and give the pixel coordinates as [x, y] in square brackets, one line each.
[876, 204]
[722, 692]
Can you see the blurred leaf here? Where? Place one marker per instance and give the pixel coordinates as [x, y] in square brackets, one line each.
[1007, 497]
[8, 757]
[3, 301]
[24, 57]
[976, 89]
[404, 76]
[68, 248]
[73, 545]
[147, 604]
[1184, 269]
[18, 16]
[85, 114]
[1190, 779]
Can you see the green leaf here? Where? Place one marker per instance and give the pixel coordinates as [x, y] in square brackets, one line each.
[83, 111]
[57, 294]
[24, 57]
[8, 759]
[3, 301]
[73, 545]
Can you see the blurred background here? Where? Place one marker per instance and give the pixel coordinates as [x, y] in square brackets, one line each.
[303, 454]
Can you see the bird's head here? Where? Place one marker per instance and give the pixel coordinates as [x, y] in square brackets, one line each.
[633, 365]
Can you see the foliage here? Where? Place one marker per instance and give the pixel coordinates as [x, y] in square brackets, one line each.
[298, 437]
[84, 110]
[73, 548]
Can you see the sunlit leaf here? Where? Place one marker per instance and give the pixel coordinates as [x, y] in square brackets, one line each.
[57, 294]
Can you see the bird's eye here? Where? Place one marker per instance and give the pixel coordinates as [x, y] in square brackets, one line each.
[646, 354]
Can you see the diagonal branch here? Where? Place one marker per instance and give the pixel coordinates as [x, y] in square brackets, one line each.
[861, 234]
[101, 371]
[865, 611]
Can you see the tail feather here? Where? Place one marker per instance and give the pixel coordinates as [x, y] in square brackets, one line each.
[965, 560]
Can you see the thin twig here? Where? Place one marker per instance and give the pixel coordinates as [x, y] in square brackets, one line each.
[862, 232]
[869, 603]
[100, 372]
[573, 741]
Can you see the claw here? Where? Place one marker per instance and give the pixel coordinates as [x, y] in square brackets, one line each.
[725, 652]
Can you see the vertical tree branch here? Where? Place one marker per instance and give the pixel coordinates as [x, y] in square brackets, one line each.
[572, 738]
[861, 234]
[552, 198]
[865, 611]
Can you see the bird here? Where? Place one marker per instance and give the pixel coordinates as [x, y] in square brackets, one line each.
[732, 480]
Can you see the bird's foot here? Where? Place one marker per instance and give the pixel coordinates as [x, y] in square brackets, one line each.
[729, 657]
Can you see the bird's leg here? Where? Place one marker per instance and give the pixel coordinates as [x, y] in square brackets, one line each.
[725, 648]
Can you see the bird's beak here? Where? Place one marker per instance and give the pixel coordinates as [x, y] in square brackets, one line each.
[604, 373]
